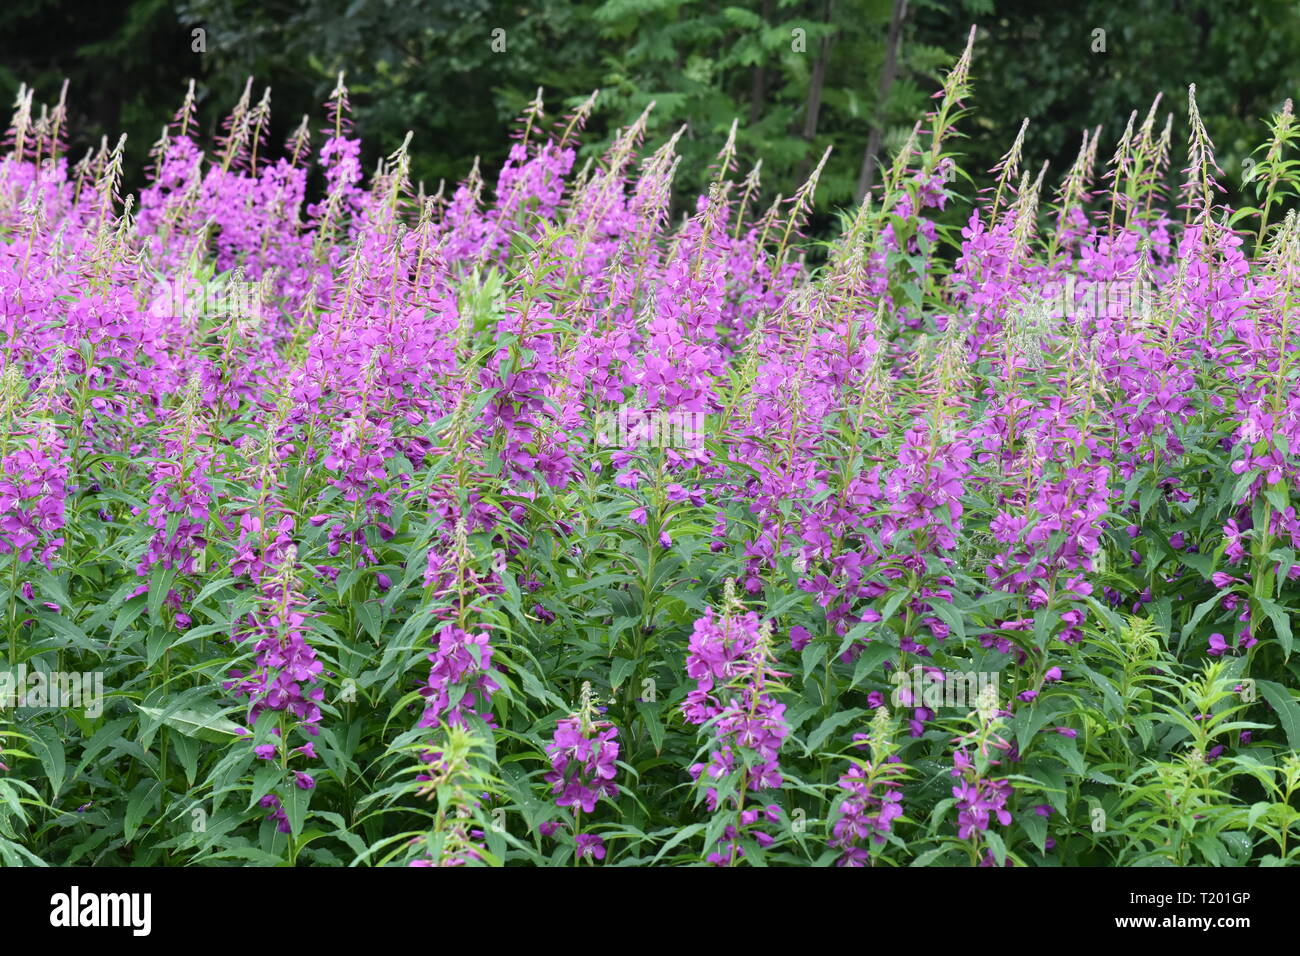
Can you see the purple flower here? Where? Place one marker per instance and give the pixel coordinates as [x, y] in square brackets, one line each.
[460, 682]
[799, 638]
[590, 846]
[979, 800]
[583, 759]
[873, 802]
[730, 663]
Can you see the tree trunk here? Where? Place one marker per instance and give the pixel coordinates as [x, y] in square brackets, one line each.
[758, 89]
[815, 84]
[867, 175]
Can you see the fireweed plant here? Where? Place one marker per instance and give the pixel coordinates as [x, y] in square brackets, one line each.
[526, 523]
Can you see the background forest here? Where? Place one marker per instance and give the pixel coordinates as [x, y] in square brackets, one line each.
[797, 75]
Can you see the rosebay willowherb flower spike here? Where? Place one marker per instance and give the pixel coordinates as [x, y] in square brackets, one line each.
[731, 661]
[583, 753]
[872, 798]
[606, 517]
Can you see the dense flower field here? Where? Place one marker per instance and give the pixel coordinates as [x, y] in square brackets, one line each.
[527, 525]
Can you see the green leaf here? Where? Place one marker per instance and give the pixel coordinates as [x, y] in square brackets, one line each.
[953, 617]
[813, 655]
[1031, 719]
[1068, 748]
[1107, 689]
[1286, 708]
[649, 712]
[1036, 829]
[929, 856]
[142, 799]
[685, 833]
[1281, 623]
[160, 583]
[48, 747]
[368, 614]
[871, 658]
[829, 726]
[206, 722]
[623, 667]
[1201, 610]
